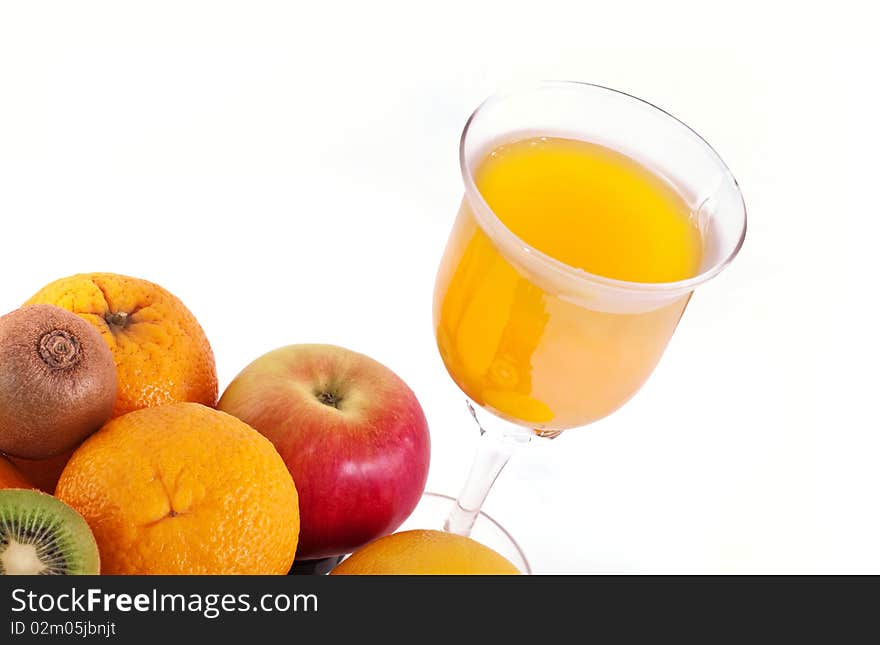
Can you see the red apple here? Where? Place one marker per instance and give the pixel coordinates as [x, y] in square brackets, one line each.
[352, 434]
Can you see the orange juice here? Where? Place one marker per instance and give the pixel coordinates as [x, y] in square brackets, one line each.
[517, 346]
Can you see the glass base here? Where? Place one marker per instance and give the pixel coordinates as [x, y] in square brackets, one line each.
[432, 511]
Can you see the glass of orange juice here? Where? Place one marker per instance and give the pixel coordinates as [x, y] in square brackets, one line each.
[589, 217]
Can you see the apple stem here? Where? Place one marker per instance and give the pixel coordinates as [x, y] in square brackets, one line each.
[328, 398]
[494, 450]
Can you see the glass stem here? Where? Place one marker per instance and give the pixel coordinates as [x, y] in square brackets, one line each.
[493, 452]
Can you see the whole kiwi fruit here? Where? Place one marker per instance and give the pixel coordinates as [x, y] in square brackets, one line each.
[57, 381]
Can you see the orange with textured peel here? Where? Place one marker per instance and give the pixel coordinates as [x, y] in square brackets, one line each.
[10, 477]
[160, 350]
[184, 489]
[424, 552]
[43, 473]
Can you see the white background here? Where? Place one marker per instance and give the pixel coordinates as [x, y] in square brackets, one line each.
[291, 173]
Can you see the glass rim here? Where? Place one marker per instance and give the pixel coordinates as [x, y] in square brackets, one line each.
[486, 217]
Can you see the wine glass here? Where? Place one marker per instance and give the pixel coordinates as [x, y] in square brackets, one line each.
[542, 345]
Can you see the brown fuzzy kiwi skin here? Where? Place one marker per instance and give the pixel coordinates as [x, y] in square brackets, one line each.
[57, 381]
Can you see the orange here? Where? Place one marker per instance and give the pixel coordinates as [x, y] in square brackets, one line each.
[184, 489]
[423, 552]
[161, 353]
[10, 477]
[43, 473]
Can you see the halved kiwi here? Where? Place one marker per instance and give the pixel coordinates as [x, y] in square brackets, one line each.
[41, 535]
[57, 381]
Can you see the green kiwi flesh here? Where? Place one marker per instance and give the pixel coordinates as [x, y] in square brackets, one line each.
[41, 535]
